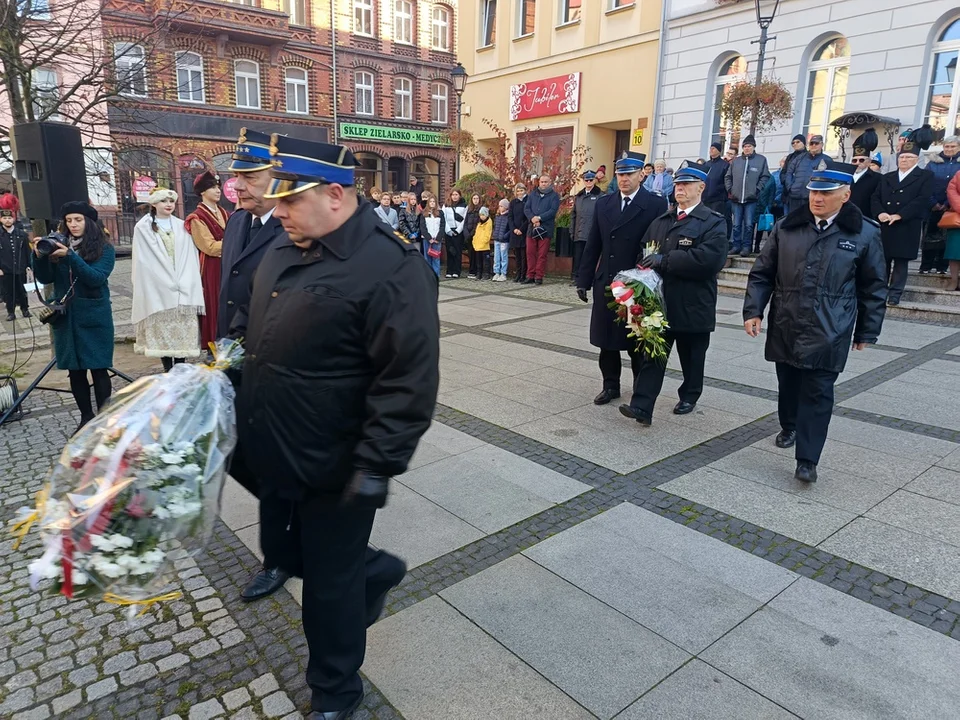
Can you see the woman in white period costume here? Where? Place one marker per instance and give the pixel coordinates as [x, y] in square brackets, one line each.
[167, 290]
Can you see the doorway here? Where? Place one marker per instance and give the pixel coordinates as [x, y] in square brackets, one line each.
[396, 174]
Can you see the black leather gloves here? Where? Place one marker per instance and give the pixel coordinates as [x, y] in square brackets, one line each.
[582, 294]
[651, 261]
[366, 489]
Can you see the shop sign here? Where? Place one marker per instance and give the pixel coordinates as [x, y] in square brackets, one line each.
[378, 133]
[143, 185]
[230, 190]
[558, 95]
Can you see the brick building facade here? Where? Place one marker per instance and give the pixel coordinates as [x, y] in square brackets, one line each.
[269, 65]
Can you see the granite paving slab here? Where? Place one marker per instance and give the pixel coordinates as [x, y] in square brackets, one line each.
[916, 513]
[938, 483]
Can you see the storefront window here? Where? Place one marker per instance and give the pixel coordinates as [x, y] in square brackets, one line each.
[369, 172]
[546, 151]
[427, 170]
[141, 163]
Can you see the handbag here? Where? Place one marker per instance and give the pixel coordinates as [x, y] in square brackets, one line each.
[433, 250]
[949, 221]
[539, 232]
[765, 222]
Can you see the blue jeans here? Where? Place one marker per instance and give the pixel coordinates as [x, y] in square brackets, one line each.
[434, 263]
[744, 220]
[501, 256]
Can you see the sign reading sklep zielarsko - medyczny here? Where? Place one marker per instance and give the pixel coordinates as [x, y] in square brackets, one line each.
[350, 131]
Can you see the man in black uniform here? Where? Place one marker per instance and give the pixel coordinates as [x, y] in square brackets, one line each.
[823, 268]
[14, 257]
[691, 250]
[339, 384]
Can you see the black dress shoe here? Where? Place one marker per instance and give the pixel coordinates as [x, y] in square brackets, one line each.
[892, 303]
[335, 714]
[539, 281]
[528, 281]
[606, 396]
[806, 471]
[390, 570]
[11, 316]
[26, 313]
[786, 438]
[684, 408]
[634, 414]
[264, 583]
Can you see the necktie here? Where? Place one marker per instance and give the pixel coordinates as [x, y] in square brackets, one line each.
[626, 201]
[822, 225]
[254, 229]
[681, 215]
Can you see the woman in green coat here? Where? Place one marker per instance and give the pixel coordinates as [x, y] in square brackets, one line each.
[78, 270]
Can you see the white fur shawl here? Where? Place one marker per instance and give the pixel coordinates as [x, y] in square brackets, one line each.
[158, 285]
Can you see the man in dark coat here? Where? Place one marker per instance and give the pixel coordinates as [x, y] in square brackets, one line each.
[581, 218]
[249, 232]
[542, 205]
[797, 172]
[901, 204]
[715, 193]
[865, 182]
[691, 250]
[821, 270]
[799, 148]
[416, 187]
[339, 384]
[616, 240]
[14, 258]
[519, 226]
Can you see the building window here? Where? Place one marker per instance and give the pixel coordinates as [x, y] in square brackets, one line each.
[189, 77]
[943, 98]
[570, 11]
[296, 84]
[39, 10]
[363, 17]
[403, 21]
[617, 4]
[439, 103]
[546, 151]
[427, 171]
[46, 94]
[247, 74]
[488, 22]
[827, 91]
[368, 171]
[440, 28]
[363, 84]
[131, 69]
[248, 3]
[526, 17]
[297, 10]
[403, 98]
[723, 131]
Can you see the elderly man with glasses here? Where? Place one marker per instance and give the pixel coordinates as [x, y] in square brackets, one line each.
[864, 182]
[797, 174]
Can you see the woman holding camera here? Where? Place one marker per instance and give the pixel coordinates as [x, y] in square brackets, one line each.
[78, 267]
[167, 290]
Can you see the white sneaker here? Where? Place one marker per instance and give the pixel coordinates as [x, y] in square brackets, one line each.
[503, 278]
[496, 278]
[448, 275]
[455, 276]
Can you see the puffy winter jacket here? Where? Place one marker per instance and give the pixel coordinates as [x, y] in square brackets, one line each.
[943, 169]
[797, 174]
[746, 178]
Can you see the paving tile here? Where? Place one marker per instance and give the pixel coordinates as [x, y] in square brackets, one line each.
[929, 563]
[683, 585]
[585, 387]
[736, 372]
[485, 364]
[467, 339]
[938, 483]
[889, 440]
[821, 653]
[238, 508]
[700, 692]
[912, 336]
[250, 536]
[537, 395]
[951, 461]
[793, 515]
[910, 402]
[434, 664]
[497, 410]
[919, 514]
[598, 656]
[449, 293]
[417, 529]
[441, 441]
[586, 368]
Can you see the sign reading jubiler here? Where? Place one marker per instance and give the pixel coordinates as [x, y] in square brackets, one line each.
[554, 96]
[350, 131]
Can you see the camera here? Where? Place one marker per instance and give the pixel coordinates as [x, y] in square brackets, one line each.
[48, 244]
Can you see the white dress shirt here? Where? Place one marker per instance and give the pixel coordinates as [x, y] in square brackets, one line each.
[903, 174]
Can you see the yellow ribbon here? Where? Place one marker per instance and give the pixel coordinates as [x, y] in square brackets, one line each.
[218, 362]
[21, 527]
[146, 602]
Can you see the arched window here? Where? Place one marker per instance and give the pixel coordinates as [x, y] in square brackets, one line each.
[439, 103]
[403, 98]
[427, 170]
[131, 69]
[943, 97]
[190, 77]
[723, 131]
[296, 87]
[247, 74]
[827, 91]
[440, 28]
[363, 86]
[369, 170]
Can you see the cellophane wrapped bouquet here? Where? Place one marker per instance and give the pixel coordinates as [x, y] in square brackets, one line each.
[142, 479]
[638, 303]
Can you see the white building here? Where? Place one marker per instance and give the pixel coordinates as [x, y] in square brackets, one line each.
[887, 57]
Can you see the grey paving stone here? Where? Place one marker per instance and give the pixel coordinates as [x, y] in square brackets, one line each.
[172, 661]
[499, 411]
[138, 674]
[99, 689]
[951, 461]
[794, 516]
[910, 402]
[683, 585]
[888, 440]
[17, 700]
[435, 664]
[938, 483]
[236, 698]
[700, 692]
[417, 529]
[796, 651]
[264, 685]
[536, 394]
[924, 561]
[206, 710]
[66, 702]
[238, 508]
[595, 654]
[119, 662]
[277, 705]
[919, 514]
[42, 712]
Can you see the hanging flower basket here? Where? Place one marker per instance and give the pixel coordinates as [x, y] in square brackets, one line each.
[770, 102]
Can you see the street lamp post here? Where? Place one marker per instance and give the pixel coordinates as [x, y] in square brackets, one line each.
[459, 77]
[766, 12]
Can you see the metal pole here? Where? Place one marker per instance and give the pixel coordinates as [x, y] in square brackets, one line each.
[333, 52]
[456, 170]
[760, 56]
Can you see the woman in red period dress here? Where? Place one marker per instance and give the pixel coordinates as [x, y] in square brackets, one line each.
[206, 226]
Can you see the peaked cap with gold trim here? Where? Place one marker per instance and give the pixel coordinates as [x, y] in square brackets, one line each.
[252, 152]
[299, 165]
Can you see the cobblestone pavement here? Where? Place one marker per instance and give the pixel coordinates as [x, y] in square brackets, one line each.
[563, 563]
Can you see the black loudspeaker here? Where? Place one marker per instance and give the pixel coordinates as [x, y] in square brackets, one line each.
[49, 166]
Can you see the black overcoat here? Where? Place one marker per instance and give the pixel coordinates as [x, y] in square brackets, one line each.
[615, 242]
[693, 251]
[239, 263]
[861, 192]
[824, 289]
[342, 359]
[911, 200]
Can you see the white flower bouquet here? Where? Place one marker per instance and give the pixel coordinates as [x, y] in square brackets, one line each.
[638, 303]
[144, 477]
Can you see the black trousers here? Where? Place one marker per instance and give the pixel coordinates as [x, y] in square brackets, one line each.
[577, 257]
[610, 367]
[482, 265]
[805, 404]
[80, 389]
[520, 253]
[692, 351]
[454, 254]
[14, 294]
[326, 545]
[933, 245]
[169, 362]
[897, 274]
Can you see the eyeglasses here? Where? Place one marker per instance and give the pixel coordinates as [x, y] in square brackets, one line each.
[860, 160]
[815, 143]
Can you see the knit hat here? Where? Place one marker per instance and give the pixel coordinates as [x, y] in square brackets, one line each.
[749, 140]
[485, 211]
[799, 137]
[78, 207]
[718, 146]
